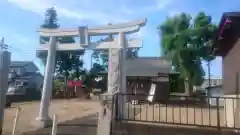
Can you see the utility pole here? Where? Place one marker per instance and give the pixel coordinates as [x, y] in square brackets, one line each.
[209, 73]
[5, 57]
[2, 92]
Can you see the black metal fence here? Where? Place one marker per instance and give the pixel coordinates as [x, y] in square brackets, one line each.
[200, 111]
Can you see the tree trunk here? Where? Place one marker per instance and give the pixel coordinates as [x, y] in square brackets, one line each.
[65, 83]
[188, 87]
[77, 73]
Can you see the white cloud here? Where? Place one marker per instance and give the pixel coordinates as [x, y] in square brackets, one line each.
[99, 11]
[37, 6]
[173, 13]
[22, 47]
[156, 5]
[102, 11]
[140, 34]
[21, 39]
[161, 4]
[18, 42]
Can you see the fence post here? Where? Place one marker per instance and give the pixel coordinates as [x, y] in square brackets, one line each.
[218, 114]
[55, 125]
[113, 117]
[105, 119]
[16, 121]
[116, 107]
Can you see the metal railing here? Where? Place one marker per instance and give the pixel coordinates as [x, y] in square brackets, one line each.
[201, 111]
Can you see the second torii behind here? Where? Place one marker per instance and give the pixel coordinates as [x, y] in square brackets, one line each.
[116, 70]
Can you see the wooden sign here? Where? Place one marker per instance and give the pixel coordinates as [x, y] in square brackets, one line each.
[72, 83]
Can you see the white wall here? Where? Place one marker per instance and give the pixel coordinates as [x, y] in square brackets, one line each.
[216, 92]
[213, 81]
[232, 112]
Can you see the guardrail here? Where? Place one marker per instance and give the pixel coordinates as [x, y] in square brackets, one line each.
[201, 111]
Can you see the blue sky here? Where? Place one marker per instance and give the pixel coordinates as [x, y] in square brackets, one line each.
[20, 19]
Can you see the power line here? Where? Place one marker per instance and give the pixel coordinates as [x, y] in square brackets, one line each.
[14, 49]
[19, 51]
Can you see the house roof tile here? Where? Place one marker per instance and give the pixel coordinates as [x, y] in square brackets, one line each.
[19, 63]
[227, 33]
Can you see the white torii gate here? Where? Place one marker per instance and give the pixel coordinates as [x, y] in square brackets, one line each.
[116, 70]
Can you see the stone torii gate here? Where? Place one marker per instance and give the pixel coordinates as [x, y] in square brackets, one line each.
[116, 70]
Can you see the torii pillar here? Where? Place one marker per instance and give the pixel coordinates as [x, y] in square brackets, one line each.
[43, 118]
[116, 73]
[117, 49]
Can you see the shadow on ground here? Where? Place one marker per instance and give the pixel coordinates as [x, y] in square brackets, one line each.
[133, 128]
[80, 126]
[88, 126]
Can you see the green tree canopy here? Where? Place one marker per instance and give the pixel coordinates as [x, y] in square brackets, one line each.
[50, 22]
[186, 41]
[101, 57]
[66, 62]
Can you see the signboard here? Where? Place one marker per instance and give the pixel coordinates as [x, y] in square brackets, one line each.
[74, 83]
[151, 92]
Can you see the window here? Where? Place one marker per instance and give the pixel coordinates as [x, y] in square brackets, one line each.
[215, 82]
[16, 70]
[17, 83]
[25, 84]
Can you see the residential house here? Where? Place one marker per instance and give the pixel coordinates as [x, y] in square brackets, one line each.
[227, 46]
[22, 75]
[142, 73]
[213, 82]
[215, 93]
[208, 83]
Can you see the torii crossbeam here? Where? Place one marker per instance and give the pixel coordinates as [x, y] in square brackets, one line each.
[116, 70]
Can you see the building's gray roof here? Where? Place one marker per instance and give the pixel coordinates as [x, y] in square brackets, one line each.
[19, 63]
[147, 66]
[26, 76]
[215, 86]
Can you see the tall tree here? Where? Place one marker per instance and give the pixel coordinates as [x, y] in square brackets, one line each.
[184, 42]
[65, 61]
[205, 31]
[69, 63]
[50, 22]
[77, 61]
[101, 59]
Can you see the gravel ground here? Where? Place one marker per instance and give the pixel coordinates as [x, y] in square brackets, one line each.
[66, 110]
[75, 111]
